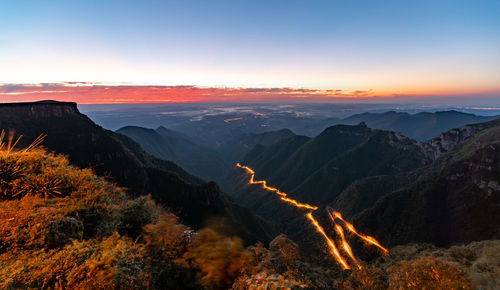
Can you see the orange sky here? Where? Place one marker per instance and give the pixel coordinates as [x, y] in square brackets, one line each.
[86, 93]
[95, 93]
[147, 51]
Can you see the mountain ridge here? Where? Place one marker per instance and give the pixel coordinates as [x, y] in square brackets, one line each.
[302, 174]
[174, 146]
[457, 202]
[421, 126]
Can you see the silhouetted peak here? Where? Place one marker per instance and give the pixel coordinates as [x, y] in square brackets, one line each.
[346, 129]
[453, 112]
[134, 128]
[286, 131]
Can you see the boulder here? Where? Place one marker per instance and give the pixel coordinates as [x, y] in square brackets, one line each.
[61, 231]
[283, 251]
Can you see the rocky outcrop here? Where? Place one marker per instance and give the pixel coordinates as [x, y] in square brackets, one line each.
[283, 251]
[436, 147]
[61, 231]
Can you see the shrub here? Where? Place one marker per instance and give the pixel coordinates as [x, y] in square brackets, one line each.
[64, 227]
[137, 213]
[462, 254]
[369, 277]
[167, 238]
[44, 188]
[266, 280]
[427, 273]
[485, 270]
[114, 262]
[220, 259]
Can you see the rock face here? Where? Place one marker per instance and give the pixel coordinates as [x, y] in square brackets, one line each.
[122, 160]
[446, 141]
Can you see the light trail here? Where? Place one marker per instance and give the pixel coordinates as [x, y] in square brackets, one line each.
[346, 246]
[333, 216]
[275, 190]
[333, 249]
[233, 119]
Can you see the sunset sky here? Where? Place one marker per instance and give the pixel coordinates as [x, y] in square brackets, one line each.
[142, 51]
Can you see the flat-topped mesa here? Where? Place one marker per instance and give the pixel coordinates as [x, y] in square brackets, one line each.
[37, 110]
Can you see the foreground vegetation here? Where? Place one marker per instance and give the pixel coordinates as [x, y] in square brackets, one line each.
[63, 227]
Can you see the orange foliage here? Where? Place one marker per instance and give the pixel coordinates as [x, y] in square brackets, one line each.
[427, 273]
[167, 237]
[366, 278]
[220, 259]
[63, 227]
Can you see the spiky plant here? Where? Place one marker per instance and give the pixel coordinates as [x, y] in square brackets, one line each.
[9, 171]
[7, 148]
[41, 186]
[13, 172]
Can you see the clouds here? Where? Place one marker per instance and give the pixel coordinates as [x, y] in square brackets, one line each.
[86, 92]
[98, 93]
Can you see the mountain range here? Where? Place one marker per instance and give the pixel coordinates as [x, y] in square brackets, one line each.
[421, 126]
[211, 125]
[443, 191]
[210, 145]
